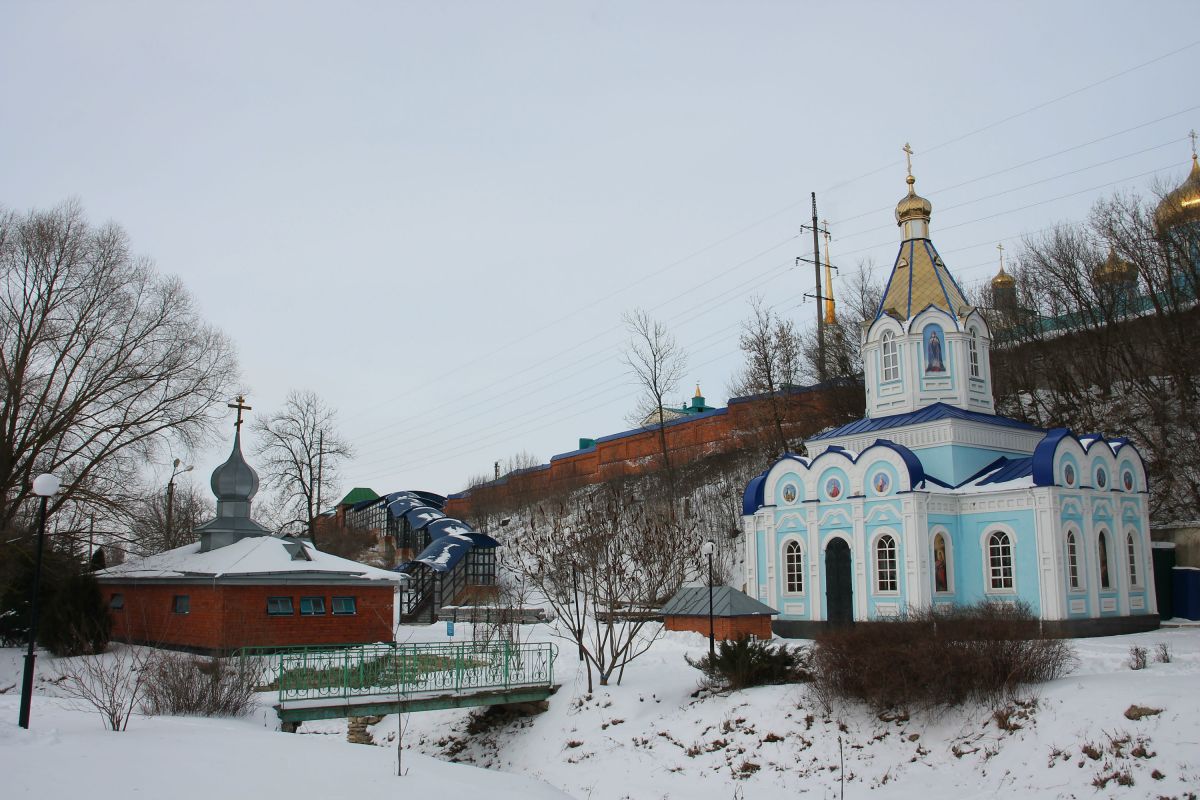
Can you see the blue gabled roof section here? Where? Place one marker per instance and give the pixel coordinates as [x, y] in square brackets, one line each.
[933, 413]
[1013, 469]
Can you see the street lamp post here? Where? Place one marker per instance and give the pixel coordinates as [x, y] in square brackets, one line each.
[707, 549]
[175, 472]
[44, 486]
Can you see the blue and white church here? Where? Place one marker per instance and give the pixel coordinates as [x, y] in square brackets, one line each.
[932, 499]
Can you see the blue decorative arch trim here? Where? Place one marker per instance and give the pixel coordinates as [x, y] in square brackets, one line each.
[1043, 456]
[752, 498]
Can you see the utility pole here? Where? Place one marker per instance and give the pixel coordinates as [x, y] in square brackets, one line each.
[822, 372]
[320, 473]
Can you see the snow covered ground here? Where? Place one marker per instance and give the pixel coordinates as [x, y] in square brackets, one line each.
[650, 738]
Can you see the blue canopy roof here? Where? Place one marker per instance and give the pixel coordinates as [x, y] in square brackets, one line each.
[444, 552]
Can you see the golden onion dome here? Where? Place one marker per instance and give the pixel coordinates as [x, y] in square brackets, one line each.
[1115, 270]
[1181, 206]
[1003, 280]
[913, 206]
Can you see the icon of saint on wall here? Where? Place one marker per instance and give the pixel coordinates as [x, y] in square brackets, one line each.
[933, 350]
[941, 582]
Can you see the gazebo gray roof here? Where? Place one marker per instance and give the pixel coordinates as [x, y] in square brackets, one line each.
[692, 601]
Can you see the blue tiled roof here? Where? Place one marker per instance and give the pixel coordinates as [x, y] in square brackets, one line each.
[933, 413]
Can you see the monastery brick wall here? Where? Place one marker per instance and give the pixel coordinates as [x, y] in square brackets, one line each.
[804, 411]
[222, 618]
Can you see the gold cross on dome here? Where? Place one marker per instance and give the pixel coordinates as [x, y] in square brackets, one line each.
[1000, 247]
[1192, 136]
[240, 405]
[908, 153]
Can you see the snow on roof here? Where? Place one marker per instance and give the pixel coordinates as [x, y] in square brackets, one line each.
[253, 556]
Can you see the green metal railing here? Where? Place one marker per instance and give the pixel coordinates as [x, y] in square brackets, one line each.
[403, 670]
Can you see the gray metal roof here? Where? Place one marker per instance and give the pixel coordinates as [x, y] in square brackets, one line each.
[692, 601]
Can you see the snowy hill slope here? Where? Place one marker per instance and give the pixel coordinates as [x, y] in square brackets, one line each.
[650, 738]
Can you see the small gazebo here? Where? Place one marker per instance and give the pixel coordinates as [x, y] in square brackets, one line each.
[735, 614]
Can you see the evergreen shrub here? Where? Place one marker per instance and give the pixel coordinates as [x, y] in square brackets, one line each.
[753, 662]
[76, 621]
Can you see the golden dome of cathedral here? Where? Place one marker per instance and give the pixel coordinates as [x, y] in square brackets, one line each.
[1181, 206]
[913, 206]
[1003, 280]
[1115, 270]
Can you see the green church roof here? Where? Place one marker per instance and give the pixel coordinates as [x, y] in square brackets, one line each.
[357, 495]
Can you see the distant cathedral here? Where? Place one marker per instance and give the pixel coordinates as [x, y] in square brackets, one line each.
[934, 500]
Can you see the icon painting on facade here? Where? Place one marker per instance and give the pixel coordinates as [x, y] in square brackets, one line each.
[934, 348]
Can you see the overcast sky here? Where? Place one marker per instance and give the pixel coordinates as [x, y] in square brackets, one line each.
[434, 214]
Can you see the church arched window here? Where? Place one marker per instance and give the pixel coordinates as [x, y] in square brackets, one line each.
[793, 567]
[886, 578]
[1000, 562]
[973, 352]
[1102, 558]
[1073, 561]
[891, 357]
[1131, 549]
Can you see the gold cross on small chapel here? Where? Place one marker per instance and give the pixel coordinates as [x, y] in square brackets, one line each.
[1192, 136]
[1000, 247]
[908, 154]
[240, 405]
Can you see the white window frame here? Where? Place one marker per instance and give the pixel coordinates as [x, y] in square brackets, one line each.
[993, 573]
[879, 559]
[788, 572]
[973, 352]
[1075, 576]
[891, 358]
[1131, 551]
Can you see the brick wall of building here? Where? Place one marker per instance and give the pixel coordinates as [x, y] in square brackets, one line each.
[224, 618]
[805, 411]
[758, 625]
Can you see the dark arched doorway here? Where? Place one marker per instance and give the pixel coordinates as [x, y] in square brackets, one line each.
[839, 591]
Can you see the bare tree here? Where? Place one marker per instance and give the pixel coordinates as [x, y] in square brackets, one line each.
[772, 351]
[153, 531]
[657, 364]
[103, 362]
[111, 683]
[605, 564]
[1100, 338]
[301, 450]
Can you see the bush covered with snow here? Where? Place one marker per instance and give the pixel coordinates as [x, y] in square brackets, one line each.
[938, 658]
[753, 662]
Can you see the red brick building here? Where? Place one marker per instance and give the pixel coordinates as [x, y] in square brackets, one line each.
[240, 586]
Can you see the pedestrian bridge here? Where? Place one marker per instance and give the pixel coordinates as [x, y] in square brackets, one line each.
[388, 678]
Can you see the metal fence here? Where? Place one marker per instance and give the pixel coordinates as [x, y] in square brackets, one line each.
[403, 670]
